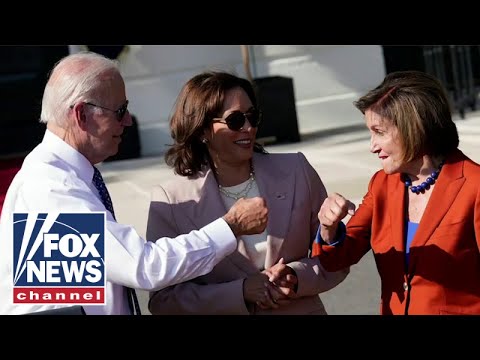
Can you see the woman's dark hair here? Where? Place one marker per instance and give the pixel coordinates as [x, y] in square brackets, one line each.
[417, 104]
[200, 100]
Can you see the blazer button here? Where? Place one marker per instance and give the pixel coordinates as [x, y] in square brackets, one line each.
[405, 286]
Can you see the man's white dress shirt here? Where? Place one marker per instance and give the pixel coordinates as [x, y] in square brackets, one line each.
[57, 178]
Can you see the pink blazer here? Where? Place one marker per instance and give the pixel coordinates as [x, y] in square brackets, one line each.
[293, 192]
[443, 274]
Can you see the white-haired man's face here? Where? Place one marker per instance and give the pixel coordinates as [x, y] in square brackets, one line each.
[105, 120]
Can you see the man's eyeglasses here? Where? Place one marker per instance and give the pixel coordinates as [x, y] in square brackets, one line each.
[120, 113]
[236, 119]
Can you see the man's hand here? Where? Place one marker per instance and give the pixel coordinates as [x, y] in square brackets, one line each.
[334, 208]
[255, 290]
[247, 216]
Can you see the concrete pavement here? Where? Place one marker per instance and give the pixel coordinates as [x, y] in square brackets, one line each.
[343, 161]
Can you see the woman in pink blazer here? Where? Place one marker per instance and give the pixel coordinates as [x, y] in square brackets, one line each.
[216, 161]
[421, 214]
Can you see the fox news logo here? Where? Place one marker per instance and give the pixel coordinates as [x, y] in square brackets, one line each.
[59, 258]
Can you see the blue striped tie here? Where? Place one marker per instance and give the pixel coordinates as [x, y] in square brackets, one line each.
[107, 201]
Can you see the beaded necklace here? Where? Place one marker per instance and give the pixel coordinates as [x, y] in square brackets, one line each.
[242, 193]
[424, 186]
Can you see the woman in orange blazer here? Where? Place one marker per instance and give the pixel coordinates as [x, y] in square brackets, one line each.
[217, 161]
[421, 214]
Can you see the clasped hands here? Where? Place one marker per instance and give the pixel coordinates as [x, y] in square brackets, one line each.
[271, 288]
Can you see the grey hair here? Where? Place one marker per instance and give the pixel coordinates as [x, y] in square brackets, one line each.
[74, 78]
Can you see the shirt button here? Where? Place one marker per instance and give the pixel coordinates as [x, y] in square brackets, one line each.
[405, 286]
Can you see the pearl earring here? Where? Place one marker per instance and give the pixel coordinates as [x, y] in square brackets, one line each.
[205, 141]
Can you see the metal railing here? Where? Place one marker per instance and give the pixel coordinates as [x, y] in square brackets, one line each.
[453, 65]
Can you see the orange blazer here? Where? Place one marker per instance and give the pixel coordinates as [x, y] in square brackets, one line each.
[293, 192]
[443, 274]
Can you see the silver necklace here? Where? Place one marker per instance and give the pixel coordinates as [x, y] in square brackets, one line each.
[242, 193]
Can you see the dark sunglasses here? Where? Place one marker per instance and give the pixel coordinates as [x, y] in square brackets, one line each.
[120, 113]
[236, 119]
